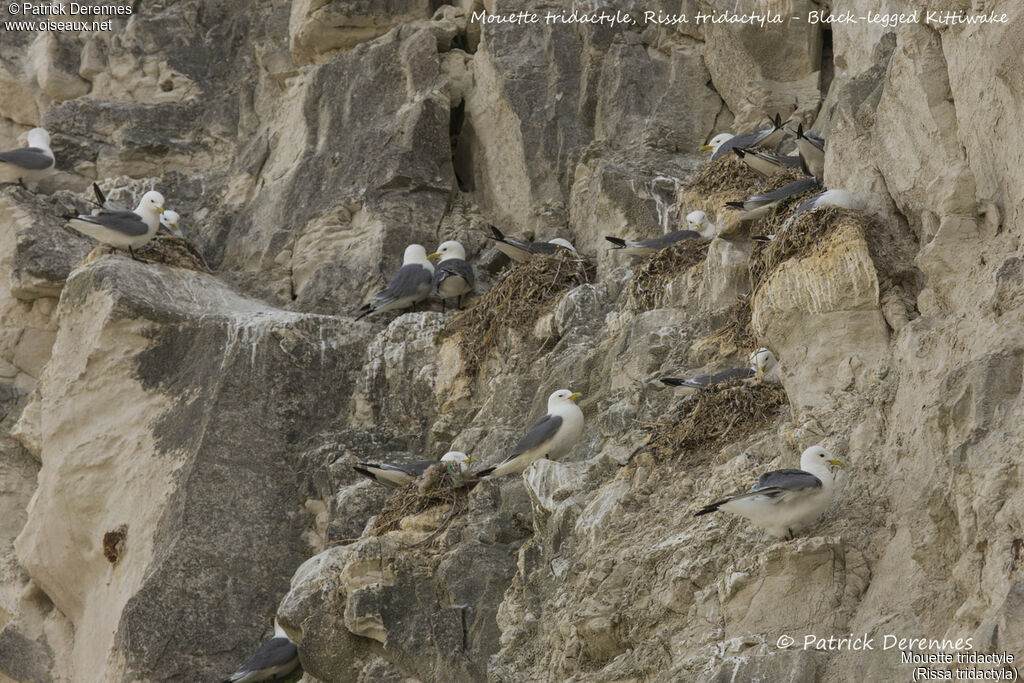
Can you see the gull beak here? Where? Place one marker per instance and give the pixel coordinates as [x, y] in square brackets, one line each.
[575, 396]
[470, 459]
[431, 257]
[704, 148]
[160, 209]
[836, 462]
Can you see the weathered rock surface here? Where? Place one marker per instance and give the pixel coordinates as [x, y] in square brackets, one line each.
[176, 446]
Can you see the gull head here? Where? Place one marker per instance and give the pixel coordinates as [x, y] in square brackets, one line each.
[461, 458]
[762, 361]
[449, 249]
[152, 203]
[169, 219]
[716, 142]
[278, 631]
[414, 253]
[562, 243]
[818, 458]
[38, 137]
[699, 222]
[561, 397]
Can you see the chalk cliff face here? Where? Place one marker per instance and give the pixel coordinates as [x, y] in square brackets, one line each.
[176, 445]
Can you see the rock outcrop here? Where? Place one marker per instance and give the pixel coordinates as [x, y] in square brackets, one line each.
[176, 445]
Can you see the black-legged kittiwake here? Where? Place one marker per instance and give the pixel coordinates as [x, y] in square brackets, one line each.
[453, 275]
[786, 501]
[812, 151]
[840, 198]
[698, 226]
[408, 286]
[550, 436]
[406, 473]
[124, 229]
[766, 163]
[761, 362]
[31, 164]
[275, 660]
[760, 205]
[168, 219]
[763, 137]
[523, 250]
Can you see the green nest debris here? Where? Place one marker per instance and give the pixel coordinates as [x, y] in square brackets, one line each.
[646, 289]
[803, 236]
[173, 251]
[722, 414]
[440, 485]
[525, 292]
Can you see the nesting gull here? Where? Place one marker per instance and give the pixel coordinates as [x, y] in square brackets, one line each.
[763, 137]
[785, 501]
[812, 151]
[698, 226]
[168, 219]
[278, 657]
[28, 164]
[522, 250]
[766, 163]
[550, 436]
[840, 198]
[761, 362]
[407, 287]
[402, 475]
[453, 276]
[760, 205]
[124, 229]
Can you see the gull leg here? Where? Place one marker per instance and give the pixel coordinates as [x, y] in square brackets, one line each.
[132, 254]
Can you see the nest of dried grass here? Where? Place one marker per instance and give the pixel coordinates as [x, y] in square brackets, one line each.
[736, 335]
[173, 251]
[802, 237]
[440, 485]
[524, 293]
[719, 415]
[727, 173]
[646, 288]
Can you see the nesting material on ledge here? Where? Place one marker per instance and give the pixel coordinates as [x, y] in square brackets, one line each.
[646, 288]
[523, 294]
[802, 236]
[719, 415]
[440, 485]
[736, 335]
[173, 250]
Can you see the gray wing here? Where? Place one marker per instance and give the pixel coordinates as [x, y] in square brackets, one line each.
[742, 140]
[777, 159]
[543, 248]
[779, 481]
[455, 266]
[727, 375]
[123, 222]
[413, 469]
[788, 190]
[809, 204]
[815, 139]
[28, 158]
[275, 652]
[410, 280]
[543, 430]
[669, 239]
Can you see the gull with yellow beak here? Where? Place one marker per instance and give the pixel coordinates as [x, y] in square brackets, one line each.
[786, 501]
[550, 436]
[124, 229]
[763, 137]
[405, 474]
[168, 219]
[453, 275]
[761, 362]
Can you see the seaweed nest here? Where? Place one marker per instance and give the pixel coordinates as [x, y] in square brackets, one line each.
[173, 250]
[721, 414]
[805, 234]
[725, 174]
[439, 485]
[524, 293]
[646, 289]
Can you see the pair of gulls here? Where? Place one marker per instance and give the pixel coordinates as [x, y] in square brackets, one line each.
[111, 224]
[551, 436]
[810, 158]
[697, 222]
[418, 278]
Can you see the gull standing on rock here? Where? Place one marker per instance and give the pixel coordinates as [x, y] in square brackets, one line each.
[124, 229]
[407, 287]
[523, 250]
[168, 219]
[453, 276]
[786, 501]
[278, 657]
[402, 475]
[812, 151]
[550, 436]
[31, 164]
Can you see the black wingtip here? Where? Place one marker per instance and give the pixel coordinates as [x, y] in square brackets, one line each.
[739, 152]
[778, 121]
[800, 130]
[498, 234]
[363, 311]
[673, 381]
[761, 238]
[100, 197]
[708, 509]
[363, 471]
[617, 241]
[484, 472]
[734, 205]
